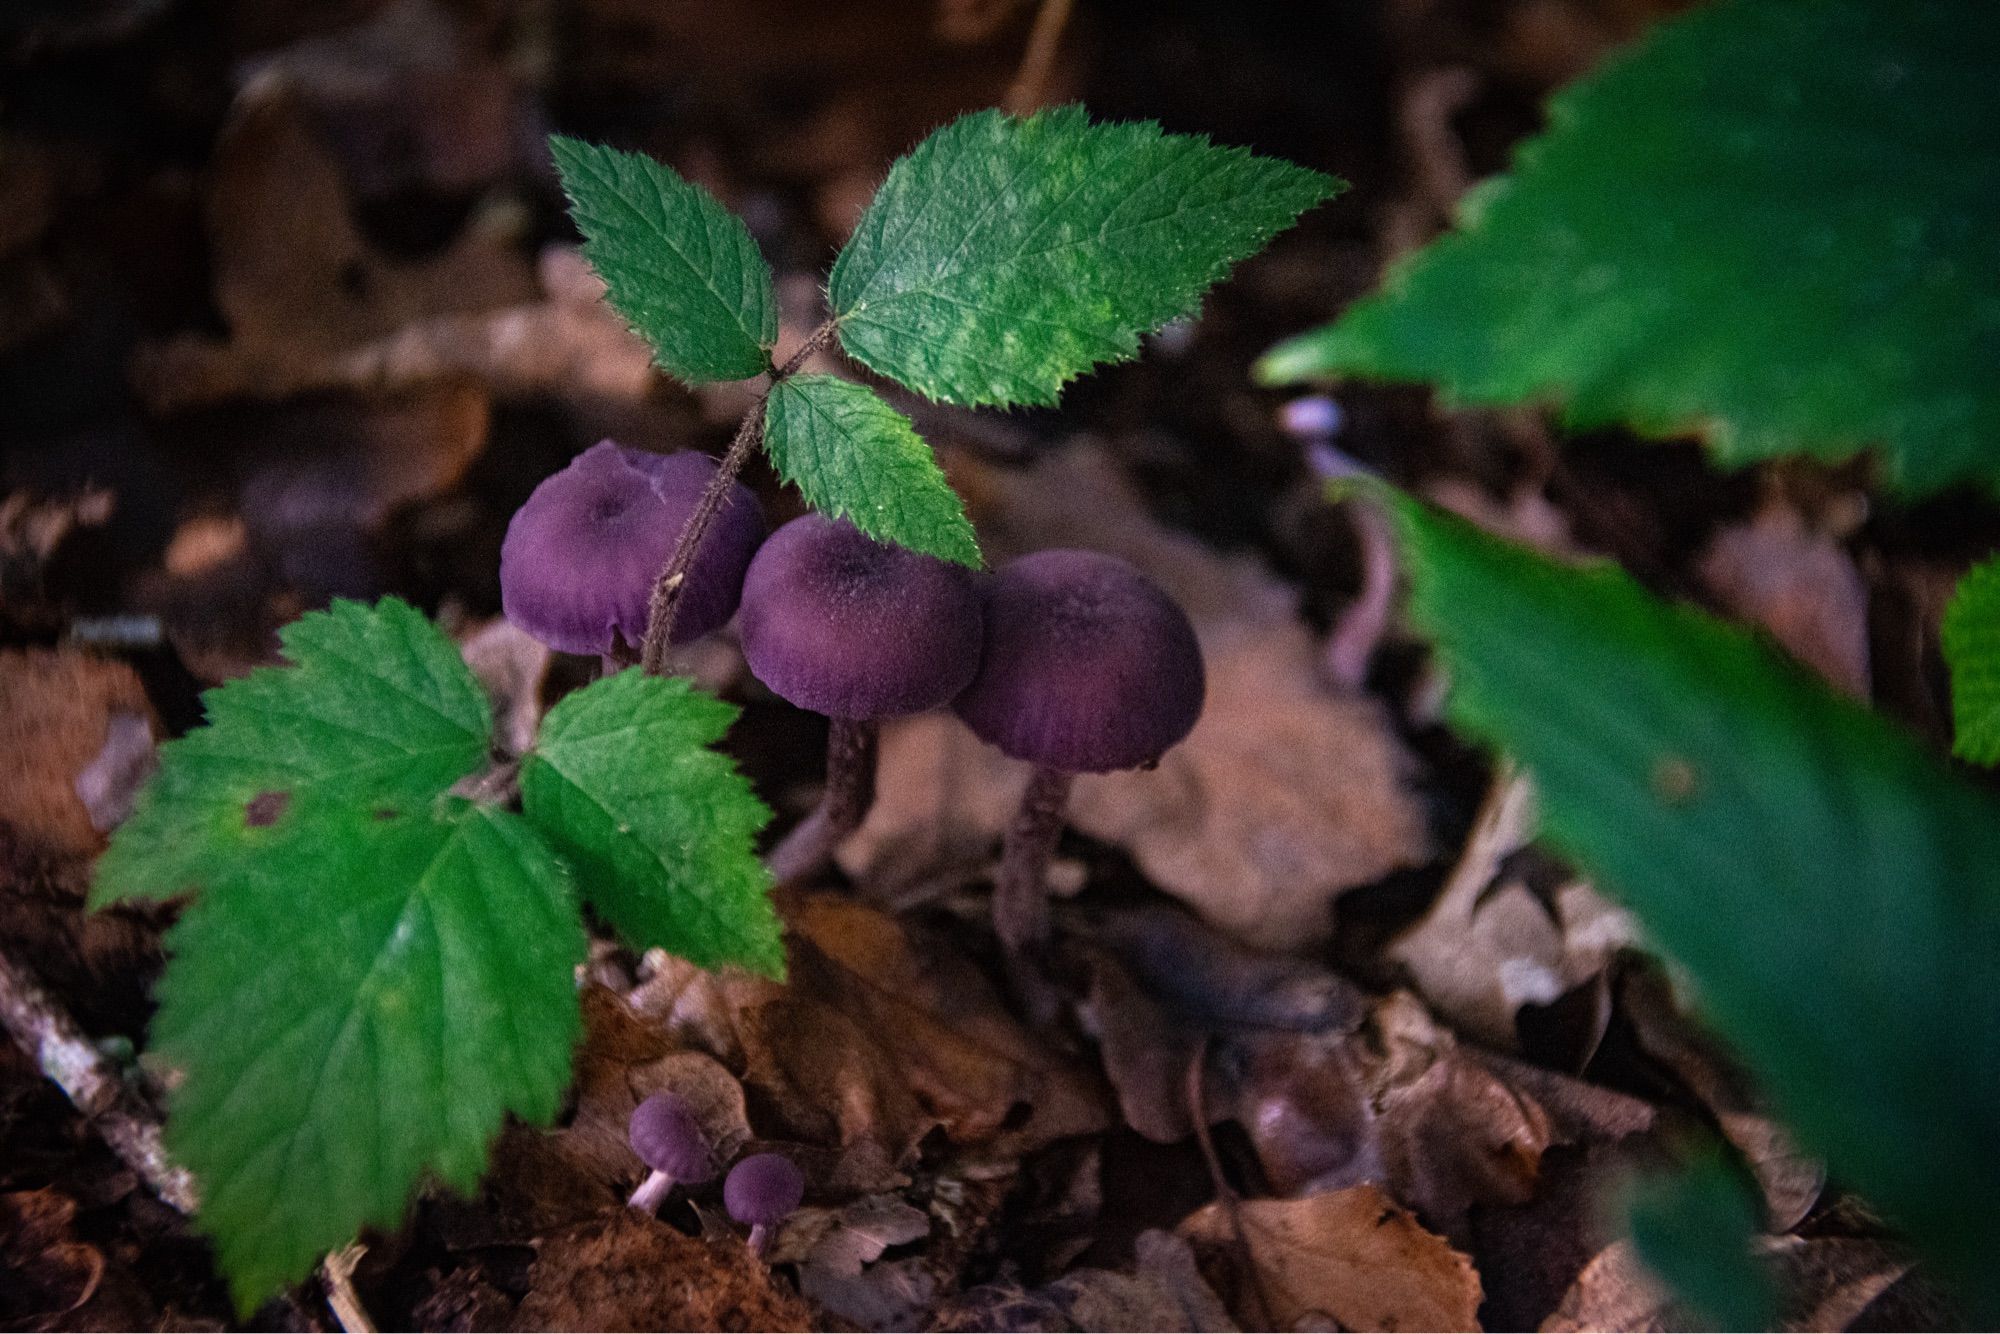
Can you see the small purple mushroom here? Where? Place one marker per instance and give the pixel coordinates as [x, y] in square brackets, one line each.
[667, 1136]
[1089, 667]
[858, 630]
[762, 1191]
[580, 557]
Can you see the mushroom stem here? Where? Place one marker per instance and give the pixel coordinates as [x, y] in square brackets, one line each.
[1020, 900]
[651, 1192]
[760, 1239]
[850, 791]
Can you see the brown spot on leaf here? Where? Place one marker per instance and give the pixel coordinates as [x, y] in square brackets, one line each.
[265, 809]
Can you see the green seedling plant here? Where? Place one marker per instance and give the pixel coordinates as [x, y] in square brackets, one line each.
[377, 964]
[1754, 227]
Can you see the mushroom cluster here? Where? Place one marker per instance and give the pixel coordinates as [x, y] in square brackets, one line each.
[1072, 661]
[760, 1192]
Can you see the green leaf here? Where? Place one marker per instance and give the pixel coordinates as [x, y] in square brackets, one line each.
[1003, 257]
[683, 270]
[852, 455]
[1971, 634]
[1695, 1229]
[661, 828]
[1771, 223]
[378, 703]
[1833, 889]
[359, 1005]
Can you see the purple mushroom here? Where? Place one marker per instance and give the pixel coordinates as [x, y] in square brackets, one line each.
[858, 630]
[1089, 667]
[762, 1191]
[667, 1136]
[580, 557]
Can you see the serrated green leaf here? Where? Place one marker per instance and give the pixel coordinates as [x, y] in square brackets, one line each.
[661, 828]
[1003, 257]
[1971, 635]
[1833, 890]
[377, 703]
[359, 1005]
[683, 270]
[1695, 1228]
[1771, 224]
[853, 456]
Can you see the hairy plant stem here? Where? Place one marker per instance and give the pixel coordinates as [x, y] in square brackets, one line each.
[1020, 899]
[850, 791]
[666, 599]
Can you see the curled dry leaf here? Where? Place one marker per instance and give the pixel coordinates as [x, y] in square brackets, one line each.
[885, 1030]
[1285, 794]
[627, 1271]
[1354, 1257]
[1801, 586]
[1490, 945]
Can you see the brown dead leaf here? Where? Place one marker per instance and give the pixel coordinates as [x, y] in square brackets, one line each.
[58, 712]
[293, 275]
[1284, 796]
[629, 1272]
[1615, 1291]
[1801, 586]
[1352, 1256]
[884, 1031]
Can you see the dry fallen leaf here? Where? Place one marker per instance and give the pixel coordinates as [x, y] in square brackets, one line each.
[1799, 585]
[59, 710]
[1354, 1257]
[293, 276]
[512, 666]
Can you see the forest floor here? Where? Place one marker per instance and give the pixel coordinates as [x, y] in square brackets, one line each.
[289, 310]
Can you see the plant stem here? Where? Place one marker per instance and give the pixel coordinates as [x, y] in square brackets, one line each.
[850, 791]
[666, 599]
[1020, 899]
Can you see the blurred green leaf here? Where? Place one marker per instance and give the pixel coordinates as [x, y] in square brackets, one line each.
[1971, 635]
[1771, 223]
[1833, 889]
[1694, 1229]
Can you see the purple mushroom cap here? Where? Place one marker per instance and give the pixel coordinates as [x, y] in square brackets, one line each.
[763, 1189]
[841, 624]
[580, 557]
[667, 1136]
[1089, 665]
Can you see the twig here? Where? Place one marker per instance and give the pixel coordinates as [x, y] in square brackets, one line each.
[667, 589]
[42, 1028]
[1038, 58]
[1225, 1194]
[340, 1293]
